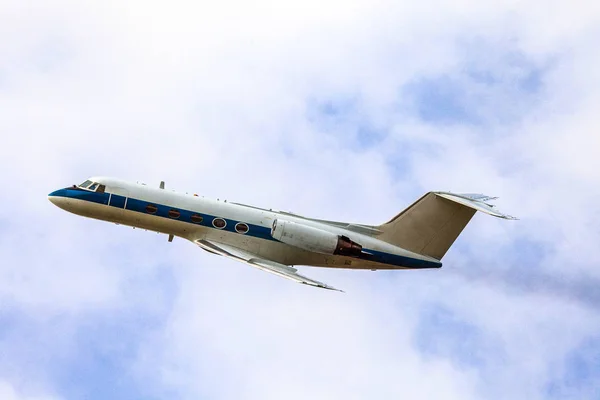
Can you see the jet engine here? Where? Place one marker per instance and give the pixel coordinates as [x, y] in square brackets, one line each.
[314, 239]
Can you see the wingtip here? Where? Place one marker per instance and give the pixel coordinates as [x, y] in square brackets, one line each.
[323, 286]
[326, 286]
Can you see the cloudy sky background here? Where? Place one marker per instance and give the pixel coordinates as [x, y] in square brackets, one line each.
[340, 110]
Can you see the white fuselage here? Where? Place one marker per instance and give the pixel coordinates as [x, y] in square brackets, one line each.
[131, 204]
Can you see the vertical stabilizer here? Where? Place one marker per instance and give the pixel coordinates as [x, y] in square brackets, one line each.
[432, 224]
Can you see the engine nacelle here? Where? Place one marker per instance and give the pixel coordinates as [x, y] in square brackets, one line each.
[314, 239]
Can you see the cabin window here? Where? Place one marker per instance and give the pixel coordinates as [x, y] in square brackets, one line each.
[101, 189]
[241, 228]
[219, 223]
[93, 187]
[174, 213]
[151, 209]
[196, 218]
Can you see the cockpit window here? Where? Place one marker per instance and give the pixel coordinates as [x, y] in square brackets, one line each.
[93, 186]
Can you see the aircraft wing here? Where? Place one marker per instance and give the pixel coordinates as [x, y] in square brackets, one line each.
[266, 265]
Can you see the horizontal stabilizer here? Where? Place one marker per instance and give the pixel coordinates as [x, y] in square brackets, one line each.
[475, 201]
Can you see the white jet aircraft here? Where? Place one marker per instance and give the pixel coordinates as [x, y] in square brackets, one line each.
[275, 241]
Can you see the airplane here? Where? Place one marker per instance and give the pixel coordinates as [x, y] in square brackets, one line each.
[277, 241]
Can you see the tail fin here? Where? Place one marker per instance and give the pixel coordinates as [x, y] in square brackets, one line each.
[431, 224]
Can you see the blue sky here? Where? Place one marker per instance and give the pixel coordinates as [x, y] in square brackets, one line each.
[350, 112]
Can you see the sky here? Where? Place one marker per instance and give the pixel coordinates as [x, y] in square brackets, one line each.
[339, 110]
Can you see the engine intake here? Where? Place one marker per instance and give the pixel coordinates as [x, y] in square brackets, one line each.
[314, 239]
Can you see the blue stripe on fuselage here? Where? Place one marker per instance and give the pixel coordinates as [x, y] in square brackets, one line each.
[117, 201]
[79, 194]
[254, 231]
[185, 216]
[403, 261]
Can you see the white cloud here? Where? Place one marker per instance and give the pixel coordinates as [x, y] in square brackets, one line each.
[216, 98]
[8, 392]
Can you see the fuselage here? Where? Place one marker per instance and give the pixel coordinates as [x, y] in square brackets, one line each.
[246, 227]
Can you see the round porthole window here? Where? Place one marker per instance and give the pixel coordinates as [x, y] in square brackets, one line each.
[174, 214]
[151, 209]
[196, 218]
[241, 228]
[219, 223]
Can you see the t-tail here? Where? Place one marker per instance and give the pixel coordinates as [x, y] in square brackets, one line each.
[431, 224]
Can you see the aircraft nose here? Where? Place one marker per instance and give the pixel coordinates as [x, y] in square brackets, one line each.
[59, 192]
[59, 198]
